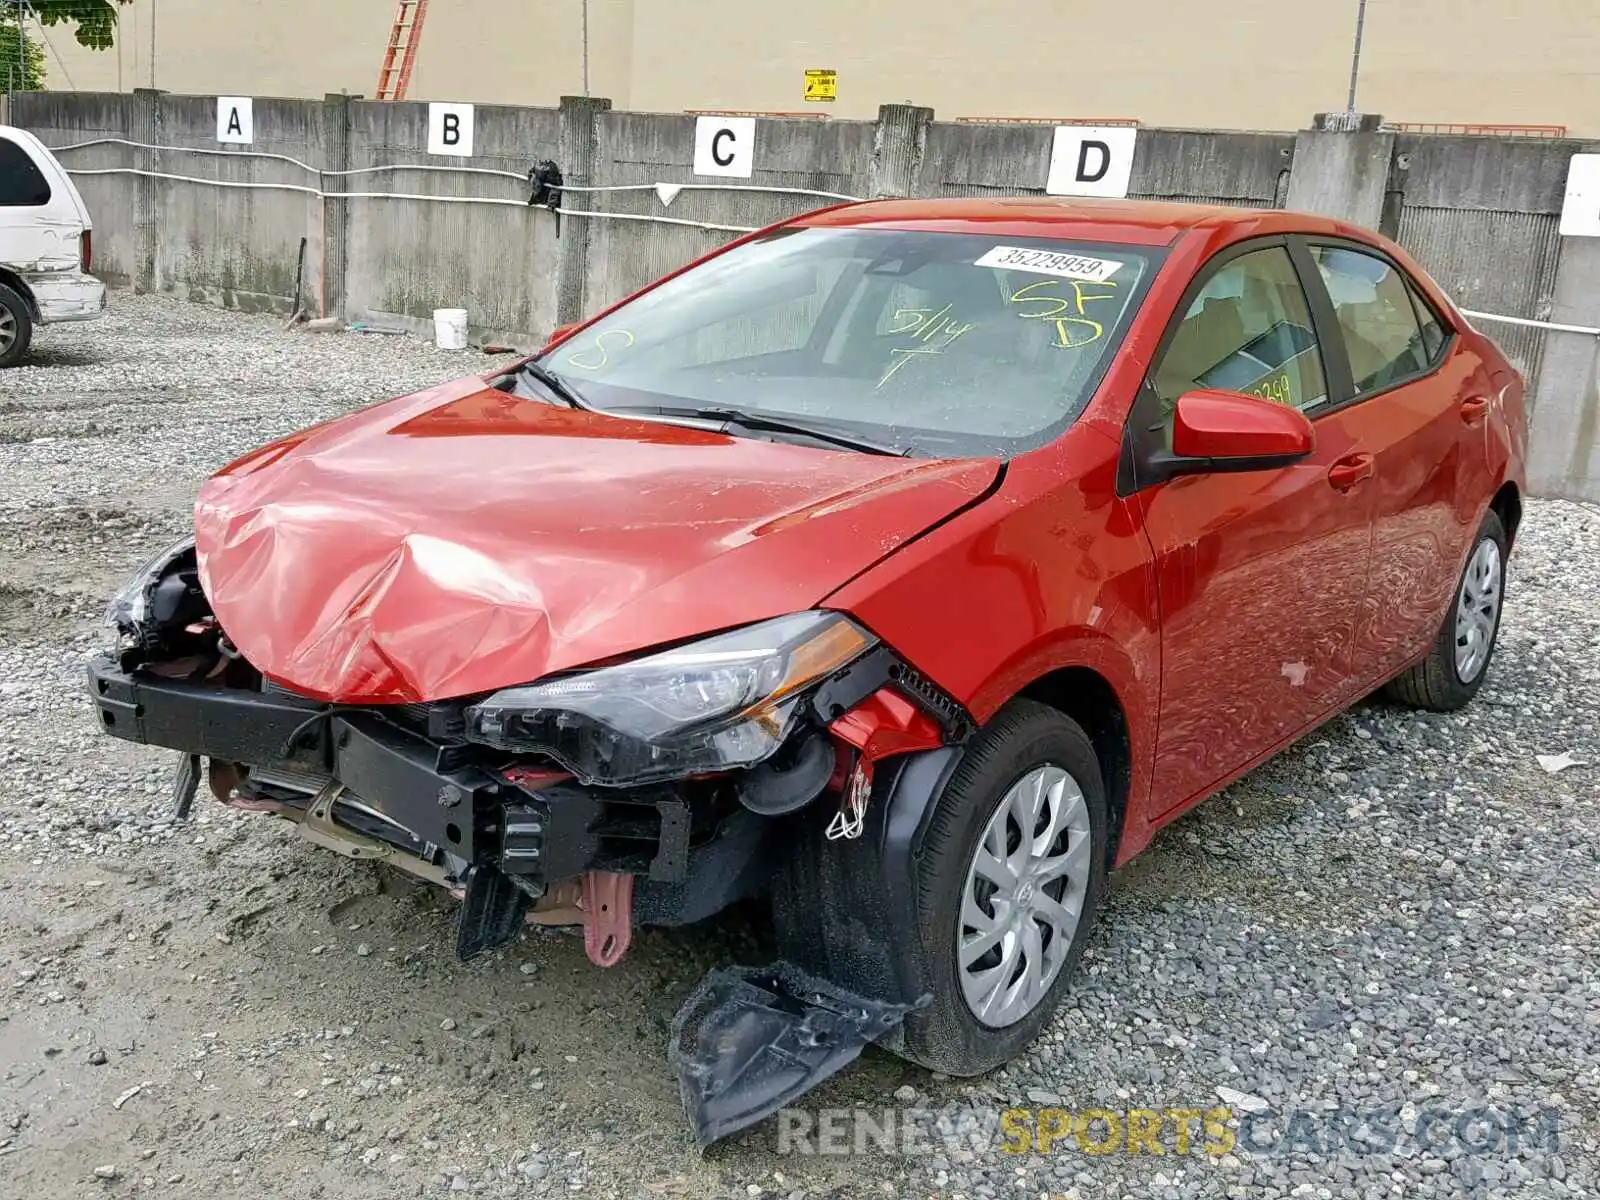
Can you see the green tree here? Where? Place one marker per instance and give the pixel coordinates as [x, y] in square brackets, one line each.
[21, 58]
[96, 20]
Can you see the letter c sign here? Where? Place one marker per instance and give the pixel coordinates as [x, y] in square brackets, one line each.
[725, 146]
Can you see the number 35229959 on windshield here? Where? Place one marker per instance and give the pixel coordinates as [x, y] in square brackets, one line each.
[1051, 262]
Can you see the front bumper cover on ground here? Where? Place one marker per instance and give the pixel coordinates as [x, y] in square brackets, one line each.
[750, 1040]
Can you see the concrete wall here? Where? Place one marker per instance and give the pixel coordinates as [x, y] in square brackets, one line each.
[637, 149]
[1480, 213]
[1252, 64]
[409, 257]
[236, 246]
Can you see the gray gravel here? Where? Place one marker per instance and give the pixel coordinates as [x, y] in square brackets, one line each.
[1399, 914]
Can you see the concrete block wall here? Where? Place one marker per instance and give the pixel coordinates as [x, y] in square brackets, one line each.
[1480, 213]
[405, 258]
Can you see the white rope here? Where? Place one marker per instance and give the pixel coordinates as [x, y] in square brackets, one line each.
[606, 216]
[520, 178]
[1526, 322]
[321, 195]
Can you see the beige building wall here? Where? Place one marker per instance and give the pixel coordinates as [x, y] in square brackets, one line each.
[1264, 64]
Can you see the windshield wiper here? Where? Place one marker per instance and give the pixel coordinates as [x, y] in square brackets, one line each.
[761, 423]
[553, 383]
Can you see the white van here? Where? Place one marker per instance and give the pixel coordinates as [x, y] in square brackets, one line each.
[45, 245]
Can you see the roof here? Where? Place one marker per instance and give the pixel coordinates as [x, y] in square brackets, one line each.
[1138, 222]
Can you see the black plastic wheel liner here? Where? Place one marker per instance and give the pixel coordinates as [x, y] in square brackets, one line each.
[750, 1040]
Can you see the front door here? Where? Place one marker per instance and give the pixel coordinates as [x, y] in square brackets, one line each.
[1261, 574]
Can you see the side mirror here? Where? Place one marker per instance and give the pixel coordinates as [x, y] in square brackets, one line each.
[1215, 431]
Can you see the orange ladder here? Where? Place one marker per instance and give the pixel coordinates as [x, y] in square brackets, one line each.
[402, 52]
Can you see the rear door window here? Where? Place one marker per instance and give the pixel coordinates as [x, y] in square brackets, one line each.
[1433, 334]
[22, 184]
[1374, 308]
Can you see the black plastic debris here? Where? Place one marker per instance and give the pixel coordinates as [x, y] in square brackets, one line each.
[185, 783]
[491, 913]
[750, 1040]
[544, 189]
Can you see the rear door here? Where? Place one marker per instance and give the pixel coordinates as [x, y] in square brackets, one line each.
[42, 217]
[1262, 573]
[1420, 409]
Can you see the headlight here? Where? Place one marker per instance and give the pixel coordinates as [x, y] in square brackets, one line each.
[724, 702]
[129, 611]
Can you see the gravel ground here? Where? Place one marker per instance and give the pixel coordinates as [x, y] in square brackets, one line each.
[1398, 915]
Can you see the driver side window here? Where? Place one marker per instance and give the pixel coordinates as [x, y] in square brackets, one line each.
[1248, 330]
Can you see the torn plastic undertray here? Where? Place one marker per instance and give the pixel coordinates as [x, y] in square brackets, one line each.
[750, 1040]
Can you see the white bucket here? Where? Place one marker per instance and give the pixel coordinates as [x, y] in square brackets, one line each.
[450, 328]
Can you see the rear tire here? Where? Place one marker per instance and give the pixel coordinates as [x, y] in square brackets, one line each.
[1459, 659]
[16, 327]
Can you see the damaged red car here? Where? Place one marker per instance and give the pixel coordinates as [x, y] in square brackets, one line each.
[908, 564]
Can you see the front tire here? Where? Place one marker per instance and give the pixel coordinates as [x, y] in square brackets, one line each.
[1456, 665]
[1002, 909]
[16, 327]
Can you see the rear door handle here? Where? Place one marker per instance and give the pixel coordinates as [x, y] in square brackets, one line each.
[1349, 471]
[1473, 409]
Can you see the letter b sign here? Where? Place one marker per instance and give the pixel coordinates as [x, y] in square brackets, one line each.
[1091, 160]
[450, 129]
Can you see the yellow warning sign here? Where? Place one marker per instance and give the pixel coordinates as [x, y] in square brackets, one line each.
[822, 85]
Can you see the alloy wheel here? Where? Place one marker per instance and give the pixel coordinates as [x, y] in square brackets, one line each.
[1477, 610]
[8, 329]
[1024, 893]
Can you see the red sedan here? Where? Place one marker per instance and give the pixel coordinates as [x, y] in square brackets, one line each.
[909, 563]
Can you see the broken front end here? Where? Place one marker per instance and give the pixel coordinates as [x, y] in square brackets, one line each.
[654, 790]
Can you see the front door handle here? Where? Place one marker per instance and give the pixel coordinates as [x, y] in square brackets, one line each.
[1349, 471]
[1474, 408]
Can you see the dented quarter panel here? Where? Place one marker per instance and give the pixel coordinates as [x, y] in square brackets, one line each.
[464, 540]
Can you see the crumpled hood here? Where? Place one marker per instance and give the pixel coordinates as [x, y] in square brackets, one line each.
[463, 540]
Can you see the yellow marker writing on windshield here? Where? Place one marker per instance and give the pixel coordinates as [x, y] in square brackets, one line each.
[925, 331]
[925, 324]
[1074, 326]
[596, 357]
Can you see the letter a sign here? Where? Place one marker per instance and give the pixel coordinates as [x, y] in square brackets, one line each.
[235, 121]
[1091, 160]
[450, 129]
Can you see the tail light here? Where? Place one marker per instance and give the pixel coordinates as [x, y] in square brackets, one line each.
[86, 251]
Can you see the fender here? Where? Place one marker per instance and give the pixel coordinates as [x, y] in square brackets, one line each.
[1052, 571]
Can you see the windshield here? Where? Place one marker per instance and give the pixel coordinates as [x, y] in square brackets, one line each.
[933, 344]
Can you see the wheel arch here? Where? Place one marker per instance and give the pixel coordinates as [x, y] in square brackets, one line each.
[14, 281]
[1088, 697]
[1507, 505]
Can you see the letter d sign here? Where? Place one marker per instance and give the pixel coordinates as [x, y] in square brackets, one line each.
[450, 129]
[1091, 160]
